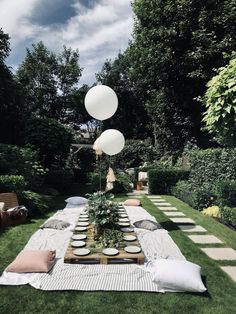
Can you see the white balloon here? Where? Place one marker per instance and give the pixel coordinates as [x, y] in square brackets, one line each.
[97, 146]
[101, 102]
[112, 142]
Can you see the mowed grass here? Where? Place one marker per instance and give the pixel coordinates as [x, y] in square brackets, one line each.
[220, 297]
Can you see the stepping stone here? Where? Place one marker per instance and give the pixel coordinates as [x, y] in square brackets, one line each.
[176, 213]
[162, 204]
[230, 270]
[220, 253]
[204, 239]
[167, 208]
[153, 196]
[182, 220]
[160, 200]
[192, 228]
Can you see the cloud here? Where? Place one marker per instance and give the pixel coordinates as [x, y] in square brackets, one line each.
[99, 29]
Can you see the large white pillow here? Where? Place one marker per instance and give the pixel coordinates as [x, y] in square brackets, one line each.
[178, 275]
[76, 200]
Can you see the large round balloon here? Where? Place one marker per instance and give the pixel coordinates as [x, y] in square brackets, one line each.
[112, 142]
[101, 102]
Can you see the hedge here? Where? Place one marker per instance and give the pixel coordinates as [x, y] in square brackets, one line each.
[61, 180]
[12, 183]
[226, 192]
[228, 215]
[198, 197]
[162, 180]
[212, 165]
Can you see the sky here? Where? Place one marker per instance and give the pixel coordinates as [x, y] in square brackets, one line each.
[98, 28]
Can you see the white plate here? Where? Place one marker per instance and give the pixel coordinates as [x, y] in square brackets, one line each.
[132, 249]
[83, 219]
[110, 251]
[83, 216]
[82, 224]
[123, 220]
[81, 252]
[78, 237]
[124, 224]
[80, 228]
[121, 209]
[78, 243]
[129, 229]
[123, 215]
[129, 238]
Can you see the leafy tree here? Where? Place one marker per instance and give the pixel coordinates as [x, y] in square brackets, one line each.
[131, 116]
[52, 139]
[176, 46]
[220, 98]
[12, 110]
[49, 79]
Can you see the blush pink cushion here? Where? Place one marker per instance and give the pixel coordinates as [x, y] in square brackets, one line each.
[132, 202]
[32, 262]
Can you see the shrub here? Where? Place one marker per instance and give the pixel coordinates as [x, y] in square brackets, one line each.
[61, 180]
[122, 185]
[228, 215]
[15, 160]
[198, 197]
[213, 211]
[12, 183]
[212, 165]
[36, 204]
[226, 192]
[162, 180]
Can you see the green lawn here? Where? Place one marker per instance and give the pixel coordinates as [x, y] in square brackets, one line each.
[220, 298]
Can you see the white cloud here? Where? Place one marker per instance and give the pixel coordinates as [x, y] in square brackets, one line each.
[99, 32]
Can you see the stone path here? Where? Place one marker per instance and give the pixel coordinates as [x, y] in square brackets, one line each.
[188, 225]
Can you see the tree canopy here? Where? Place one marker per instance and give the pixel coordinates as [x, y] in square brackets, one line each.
[220, 99]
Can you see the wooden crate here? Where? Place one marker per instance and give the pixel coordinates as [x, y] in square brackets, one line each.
[96, 255]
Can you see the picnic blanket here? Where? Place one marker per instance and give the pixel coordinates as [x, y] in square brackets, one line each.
[129, 277]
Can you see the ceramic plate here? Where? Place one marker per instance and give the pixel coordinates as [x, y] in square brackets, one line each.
[123, 220]
[82, 224]
[78, 243]
[121, 209]
[129, 238]
[110, 251]
[132, 249]
[123, 215]
[79, 237]
[81, 252]
[83, 216]
[80, 229]
[129, 229]
[123, 224]
[83, 219]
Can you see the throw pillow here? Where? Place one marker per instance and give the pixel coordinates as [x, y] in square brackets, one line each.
[132, 202]
[147, 224]
[178, 275]
[33, 262]
[55, 224]
[76, 200]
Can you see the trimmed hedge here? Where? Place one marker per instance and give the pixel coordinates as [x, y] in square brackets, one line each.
[12, 183]
[226, 192]
[212, 165]
[228, 215]
[162, 180]
[197, 197]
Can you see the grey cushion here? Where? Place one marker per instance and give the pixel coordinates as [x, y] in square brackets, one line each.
[147, 224]
[55, 224]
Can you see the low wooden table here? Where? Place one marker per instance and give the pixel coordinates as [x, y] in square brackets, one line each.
[96, 255]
